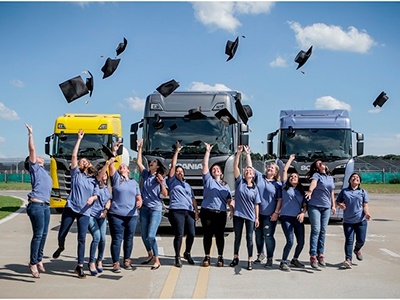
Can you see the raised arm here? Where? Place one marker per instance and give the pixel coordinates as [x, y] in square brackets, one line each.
[74, 157]
[287, 166]
[104, 169]
[175, 159]
[112, 161]
[139, 160]
[31, 145]
[206, 158]
[247, 149]
[236, 169]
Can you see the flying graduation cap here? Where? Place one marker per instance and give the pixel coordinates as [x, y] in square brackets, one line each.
[121, 47]
[225, 117]
[231, 47]
[168, 88]
[381, 99]
[302, 57]
[110, 66]
[107, 153]
[75, 88]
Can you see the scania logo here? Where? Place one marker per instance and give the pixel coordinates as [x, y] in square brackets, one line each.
[192, 166]
[305, 168]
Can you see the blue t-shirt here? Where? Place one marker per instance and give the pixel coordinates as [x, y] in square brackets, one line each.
[82, 188]
[180, 194]
[321, 195]
[245, 199]
[292, 201]
[99, 204]
[41, 183]
[354, 200]
[215, 195]
[151, 191]
[124, 194]
[270, 192]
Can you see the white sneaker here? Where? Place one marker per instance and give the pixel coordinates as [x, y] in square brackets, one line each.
[260, 258]
[347, 264]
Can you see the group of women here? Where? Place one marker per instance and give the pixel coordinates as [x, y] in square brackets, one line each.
[258, 203]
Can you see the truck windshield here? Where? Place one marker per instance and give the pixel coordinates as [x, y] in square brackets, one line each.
[192, 134]
[90, 146]
[329, 144]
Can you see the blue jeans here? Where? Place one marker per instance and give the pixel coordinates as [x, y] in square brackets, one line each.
[39, 214]
[359, 230]
[265, 235]
[319, 219]
[67, 219]
[122, 228]
[292, 227]
[238, 223]
[97, 228]
[149, 221]
[182, 221]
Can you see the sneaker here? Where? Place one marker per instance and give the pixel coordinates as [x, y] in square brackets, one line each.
[321, 261]
[116, 268]
[178, 262]
[260, 258]
[268, 263]
[189, 259]
[80, 272]
[358, 254]
[234, 262]
[127, 264]
[313, 262]
[296, 264]
[347, 264]
[284, 266]
[206, 261]
[57, 253]
[220, 262]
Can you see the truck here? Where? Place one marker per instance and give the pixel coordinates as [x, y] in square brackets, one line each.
[317, 134]
[193, 118]
[100, 130]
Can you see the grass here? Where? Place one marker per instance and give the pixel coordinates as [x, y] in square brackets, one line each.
[19, 186]
[8, 205]
[381, 188]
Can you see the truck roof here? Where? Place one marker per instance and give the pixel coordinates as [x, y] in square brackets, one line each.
[337, 118]
[90, 123]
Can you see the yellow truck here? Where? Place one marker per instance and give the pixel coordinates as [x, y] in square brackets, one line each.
[99, 129]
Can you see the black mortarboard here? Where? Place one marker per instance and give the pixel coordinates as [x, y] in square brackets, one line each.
[195, 114]
[225, 117]
[173, 127]
[107, 152]
[381, 99]
[244, 111]
[121, 47]
[231, 47]
[90, 83]
[168, 88]
[74, 88]
[110, 66]
[158, 124]
[302, 57]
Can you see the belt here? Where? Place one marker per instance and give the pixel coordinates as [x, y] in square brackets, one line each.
[213, 210]
[36, 200]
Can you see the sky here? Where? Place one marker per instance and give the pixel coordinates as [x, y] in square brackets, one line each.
[355, 57]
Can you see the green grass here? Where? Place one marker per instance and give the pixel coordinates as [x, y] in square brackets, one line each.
[8, 205]
[381, 188]
[19, 186]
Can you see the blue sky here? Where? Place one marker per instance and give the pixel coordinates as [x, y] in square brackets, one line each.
[355, 57]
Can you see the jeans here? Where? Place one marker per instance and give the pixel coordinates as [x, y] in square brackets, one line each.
[182, 221]
[149, 222]
[39, 214]
[97, 228]
[238, 223]
[67, 219]
[122, 228]
[265, 235]
[292, 227]
[319, 219]
[359, 230]
[213, 223]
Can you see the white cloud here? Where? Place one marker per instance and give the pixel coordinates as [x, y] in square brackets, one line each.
[222, 15]
[332, 37]
[2, 140]
[135, 103]
[7, 114]
[398, 136]
[375, 110]
[328, 102]
[200, 86]
[279, 62]
[17, 83]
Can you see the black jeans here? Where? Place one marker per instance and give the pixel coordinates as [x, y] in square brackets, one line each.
[238, 223]
[213, 223]
[182, 221]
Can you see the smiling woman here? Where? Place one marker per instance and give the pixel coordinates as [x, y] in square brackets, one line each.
[8, 205]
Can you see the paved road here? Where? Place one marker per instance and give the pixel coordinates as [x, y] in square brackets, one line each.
[375, 277]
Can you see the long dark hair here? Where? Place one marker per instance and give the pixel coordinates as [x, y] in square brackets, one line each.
[314, 169]
[223, 182]
[160, 168]
[298, 187]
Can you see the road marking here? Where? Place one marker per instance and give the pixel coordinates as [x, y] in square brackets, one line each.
[200, 289]
[389, 252]
[169, 285]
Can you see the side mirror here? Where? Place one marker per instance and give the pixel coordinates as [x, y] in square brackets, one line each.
[360, 148]
[244, 139]
[47, 145]
[270, 147]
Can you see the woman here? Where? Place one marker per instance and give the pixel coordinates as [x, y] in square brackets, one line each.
[244, 209]
[98, 223]
[354, 202]
[123, 214]
[321, 204]
[292, 216]
[84, 191]
[270, 190]
[216, 197]
[153, 187]
[183, 212]
[38, 208]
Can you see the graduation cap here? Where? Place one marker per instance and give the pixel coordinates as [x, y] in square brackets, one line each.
[158, 124]
[173, 127]
[381, 99]
[244, 111]
[121, 47]
[168, 88]
[302, 57]
[225, 117]
[195, 114]
[231, 47]
[107, 153]
[89, 82]
[110, 66]
[75, 88]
